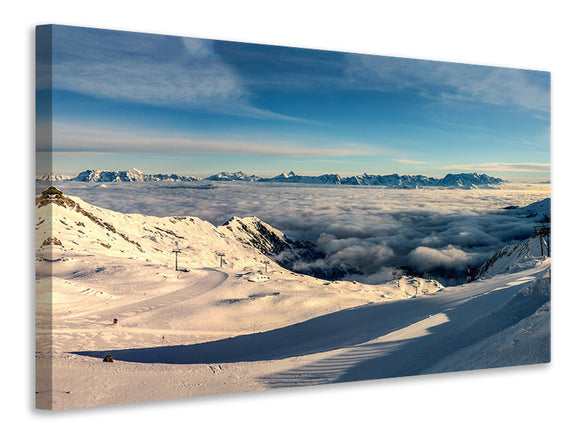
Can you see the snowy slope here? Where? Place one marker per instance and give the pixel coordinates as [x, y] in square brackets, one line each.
[205, 329]
[520, 256]
[527, 341]
[537, 209]
[186, 340]
[68, 224]
[527, 253]
[104, 257]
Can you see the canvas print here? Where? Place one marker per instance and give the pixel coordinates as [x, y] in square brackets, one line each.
[218, 217]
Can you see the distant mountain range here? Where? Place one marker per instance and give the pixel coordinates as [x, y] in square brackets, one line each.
[52, 177]
[472, 180]
[395, 181]
[100, 176]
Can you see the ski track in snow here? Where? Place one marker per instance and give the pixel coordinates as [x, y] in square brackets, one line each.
[205, 282]
[398, 338]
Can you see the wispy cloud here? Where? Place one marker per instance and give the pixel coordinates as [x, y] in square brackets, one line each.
[454, 81]
[166, 71]
[411, 162]
[113, 139]
[503, 167]
[149, 69]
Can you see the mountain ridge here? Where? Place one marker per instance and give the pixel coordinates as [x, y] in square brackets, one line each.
[461, 181]
[67, 223]
[132, 175]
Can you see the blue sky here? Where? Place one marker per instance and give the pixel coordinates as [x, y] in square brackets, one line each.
[167, 104]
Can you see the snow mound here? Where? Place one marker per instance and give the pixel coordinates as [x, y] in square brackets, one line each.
[414, 286]
[258, 277]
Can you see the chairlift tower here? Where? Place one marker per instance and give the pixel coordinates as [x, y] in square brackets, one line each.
[176, 251]
[221, 255]
[543, 230]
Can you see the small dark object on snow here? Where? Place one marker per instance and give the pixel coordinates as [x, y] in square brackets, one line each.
[115, 321]
[108, 358]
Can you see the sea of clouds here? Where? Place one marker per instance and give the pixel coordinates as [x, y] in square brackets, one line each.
[373, 230]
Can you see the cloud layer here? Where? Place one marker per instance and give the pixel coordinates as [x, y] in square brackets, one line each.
[507, 167]
[372, 230]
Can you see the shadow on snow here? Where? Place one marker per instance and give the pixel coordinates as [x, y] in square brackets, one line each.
[471, 317]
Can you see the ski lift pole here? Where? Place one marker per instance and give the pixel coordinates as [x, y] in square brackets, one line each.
[177, 251]
[539, 231]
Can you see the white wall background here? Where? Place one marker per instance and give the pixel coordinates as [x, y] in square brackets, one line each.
[521, 34]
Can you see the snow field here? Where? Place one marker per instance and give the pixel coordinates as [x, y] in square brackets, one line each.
[205, 329]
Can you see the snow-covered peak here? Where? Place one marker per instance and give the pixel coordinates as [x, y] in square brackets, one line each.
[469, 180]
[132, 175]
[134, 172]
[233, 176]
[68, 224]
[257, 233]
[286, 175]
